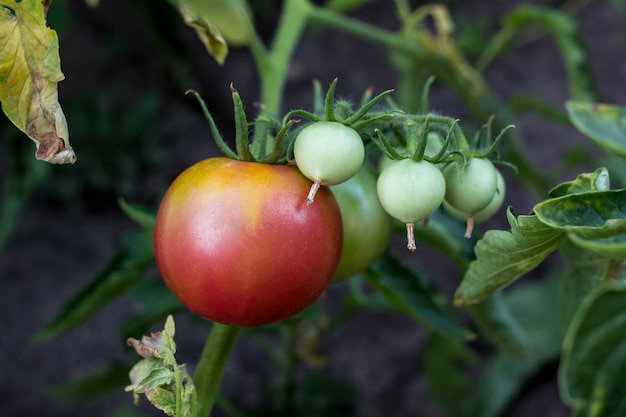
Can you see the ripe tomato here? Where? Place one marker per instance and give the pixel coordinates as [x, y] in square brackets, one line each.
[366, 225]
[237, 244]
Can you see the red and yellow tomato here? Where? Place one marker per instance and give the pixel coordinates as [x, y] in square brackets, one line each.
[236, 242]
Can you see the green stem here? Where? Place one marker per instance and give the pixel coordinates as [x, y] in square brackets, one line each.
[274, 65]
[212, 365]
[289, 341]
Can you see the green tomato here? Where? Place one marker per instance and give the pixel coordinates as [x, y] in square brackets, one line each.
[486, 213]
[366, 225]
[473, 189]
[411, 191]
[328, 153]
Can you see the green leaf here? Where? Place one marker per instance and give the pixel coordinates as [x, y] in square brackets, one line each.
[603, 123]
[613, 247]
[502, 257]
[30, 69]
[594, 181]
[537, 313]
[162, 399]
[413, 295]
[217, 23]
[449, 368]
[111, 379]
[595, 214]
[584, 271]
[445, 364]
[499, 326]
[591, 375]
[125, 269]
[501, 381]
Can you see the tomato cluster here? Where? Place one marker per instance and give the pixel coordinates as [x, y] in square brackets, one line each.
[246, 243]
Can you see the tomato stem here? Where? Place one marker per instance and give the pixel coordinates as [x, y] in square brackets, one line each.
[314, 189]
[470, 226]
[410, 237]
[212, 365]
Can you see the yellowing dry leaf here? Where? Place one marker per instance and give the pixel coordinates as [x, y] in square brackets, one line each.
[30, 69]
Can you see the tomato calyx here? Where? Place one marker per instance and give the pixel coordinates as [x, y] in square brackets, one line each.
[325, 108]
[268, 145]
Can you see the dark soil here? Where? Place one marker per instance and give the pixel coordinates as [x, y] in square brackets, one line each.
[56, 247]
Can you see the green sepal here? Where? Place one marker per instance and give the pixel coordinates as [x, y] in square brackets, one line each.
[385, 146]
[219, 140]
[242, 143]
[365, 108]
[279, 144]
[263, 126]
[329, 102]
[425, 105]
[318, 98]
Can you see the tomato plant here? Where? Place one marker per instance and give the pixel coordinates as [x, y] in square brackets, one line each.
[366, 225]
[236, 244]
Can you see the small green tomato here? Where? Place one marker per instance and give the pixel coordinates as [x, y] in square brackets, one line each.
[473, 189]
[328, 153]
[411, 191]
[366, 225]
[484, 214]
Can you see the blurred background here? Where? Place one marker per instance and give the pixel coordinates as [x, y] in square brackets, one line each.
[127, 65]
